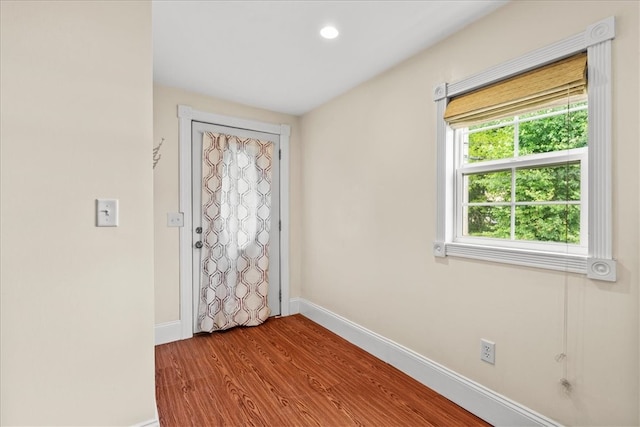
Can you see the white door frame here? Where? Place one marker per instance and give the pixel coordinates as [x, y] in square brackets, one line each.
[186, 115]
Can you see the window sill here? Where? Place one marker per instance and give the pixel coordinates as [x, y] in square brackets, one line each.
[599, 269]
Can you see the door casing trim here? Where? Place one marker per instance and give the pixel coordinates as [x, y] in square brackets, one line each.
[186, 115]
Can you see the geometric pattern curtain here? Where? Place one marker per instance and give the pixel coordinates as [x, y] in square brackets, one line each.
[236, 220]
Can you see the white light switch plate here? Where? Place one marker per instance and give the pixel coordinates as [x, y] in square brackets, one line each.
[106, 212]
[175, 219]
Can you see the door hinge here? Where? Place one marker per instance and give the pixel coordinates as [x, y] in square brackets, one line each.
[280, 225]
[280, 154]
[280, 295]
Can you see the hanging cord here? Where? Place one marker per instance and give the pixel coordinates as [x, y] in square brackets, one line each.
[562, 357]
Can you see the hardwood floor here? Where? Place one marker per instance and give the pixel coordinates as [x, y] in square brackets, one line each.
[290, 372]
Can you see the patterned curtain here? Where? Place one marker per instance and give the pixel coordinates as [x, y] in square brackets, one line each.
[236, 219]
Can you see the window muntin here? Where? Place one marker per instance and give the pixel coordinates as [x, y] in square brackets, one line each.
[522, 180]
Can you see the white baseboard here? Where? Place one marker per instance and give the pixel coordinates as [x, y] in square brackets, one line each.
[148, 423]
[172, 331]
[294, 306]
[475, 398]
[168, 332]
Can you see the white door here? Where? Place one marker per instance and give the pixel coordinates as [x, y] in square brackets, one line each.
[197, 131]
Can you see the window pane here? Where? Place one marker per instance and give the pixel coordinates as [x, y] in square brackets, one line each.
[552, 183]
[491, 144]
[488, 221]
[489, 187]
[555, 133]
[548, 223]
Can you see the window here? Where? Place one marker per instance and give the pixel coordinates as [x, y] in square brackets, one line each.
[524, 160]
[522, 180]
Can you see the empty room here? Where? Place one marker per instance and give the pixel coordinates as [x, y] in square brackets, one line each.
[320, 213]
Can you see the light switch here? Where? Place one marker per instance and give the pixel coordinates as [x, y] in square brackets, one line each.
[106, 212]
[175, 219]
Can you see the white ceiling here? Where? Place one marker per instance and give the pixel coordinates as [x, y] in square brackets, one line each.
[269, 54]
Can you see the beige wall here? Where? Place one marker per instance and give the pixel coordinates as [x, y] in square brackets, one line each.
[77, 301]
[165, 109]
[368, 221]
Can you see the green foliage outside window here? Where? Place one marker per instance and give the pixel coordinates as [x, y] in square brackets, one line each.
[547, 222]
[553, 133]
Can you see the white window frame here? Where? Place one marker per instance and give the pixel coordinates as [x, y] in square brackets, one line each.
[598, 262]
[511, 164]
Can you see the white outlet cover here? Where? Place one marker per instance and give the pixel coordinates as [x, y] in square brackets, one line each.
[175, 219]
[488, 351]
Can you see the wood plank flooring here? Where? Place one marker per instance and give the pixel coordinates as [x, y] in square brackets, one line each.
[290, 371]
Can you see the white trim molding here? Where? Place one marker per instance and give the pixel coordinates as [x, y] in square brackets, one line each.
[475, 398]
[294, 306]
[186, 115]
[599, 263]
[150, 423]
[285, 134]
[168, 332]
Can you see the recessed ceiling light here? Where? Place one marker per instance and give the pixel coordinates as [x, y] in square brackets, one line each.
[329, 32]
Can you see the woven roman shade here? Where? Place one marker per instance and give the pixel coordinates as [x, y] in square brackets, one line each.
[521, 93]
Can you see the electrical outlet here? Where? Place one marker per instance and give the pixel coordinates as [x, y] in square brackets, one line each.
[488, 351]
